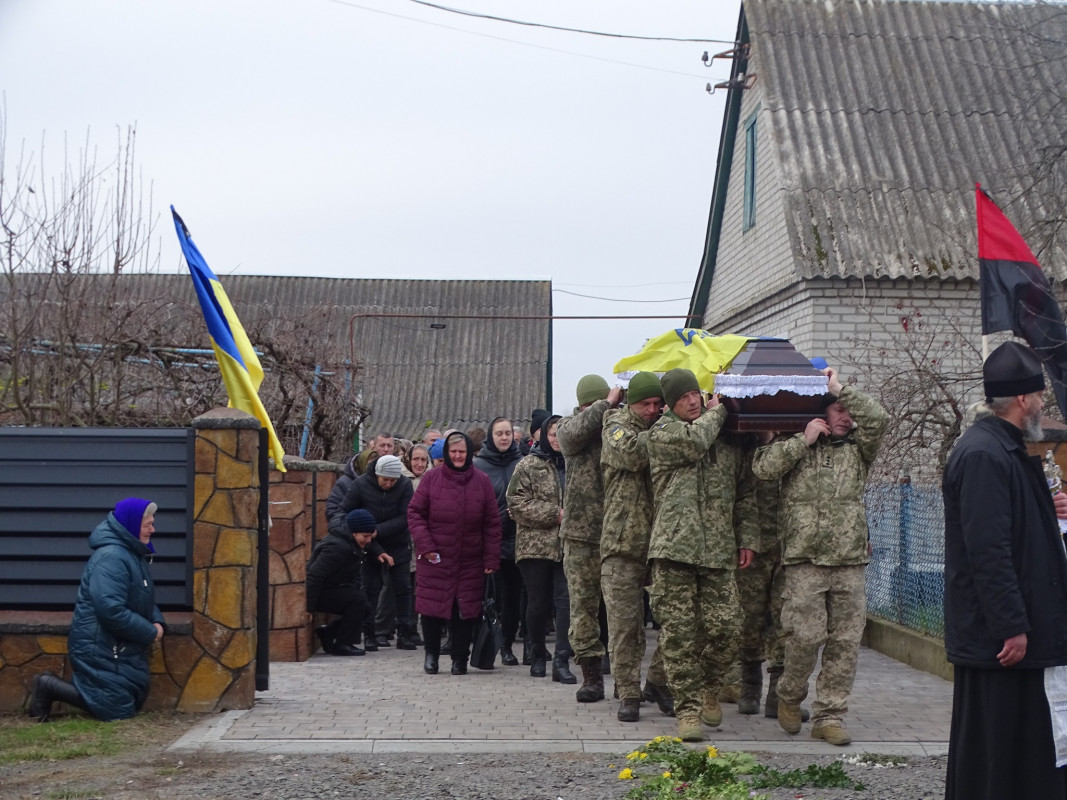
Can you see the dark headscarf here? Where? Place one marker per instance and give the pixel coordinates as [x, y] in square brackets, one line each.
[470, 451]
[544, 449]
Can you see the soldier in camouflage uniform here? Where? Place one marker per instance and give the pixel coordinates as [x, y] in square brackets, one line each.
[583, 516]
[760, 588]
[628, 513]
[700, 488]
[824, 528]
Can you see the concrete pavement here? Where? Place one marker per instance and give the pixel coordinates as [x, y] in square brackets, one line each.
[384, 703]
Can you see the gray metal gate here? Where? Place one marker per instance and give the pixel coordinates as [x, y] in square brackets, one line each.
[57, 484]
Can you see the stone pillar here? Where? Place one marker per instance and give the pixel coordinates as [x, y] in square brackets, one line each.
[298, 519]
[226, 512]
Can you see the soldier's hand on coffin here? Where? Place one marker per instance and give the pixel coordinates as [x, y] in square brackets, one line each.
[712, 401]
[816, 428]
[833, 385]
[615, 396]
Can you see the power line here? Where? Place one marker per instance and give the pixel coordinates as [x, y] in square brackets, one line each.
[478, 15]
[626, 285]
[621, 300]
[512, 41]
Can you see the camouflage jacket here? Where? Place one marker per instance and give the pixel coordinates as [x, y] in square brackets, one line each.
[583, 496]
[628, 507]
[768, 536]
[822, 516]
[701, 489]
[535, 497]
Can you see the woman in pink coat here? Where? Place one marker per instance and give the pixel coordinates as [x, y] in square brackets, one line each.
[455, 524]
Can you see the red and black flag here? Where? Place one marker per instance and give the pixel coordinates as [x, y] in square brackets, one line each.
[1017, 295]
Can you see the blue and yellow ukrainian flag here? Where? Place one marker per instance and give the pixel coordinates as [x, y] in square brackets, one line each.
[692, 348]
[241, 371]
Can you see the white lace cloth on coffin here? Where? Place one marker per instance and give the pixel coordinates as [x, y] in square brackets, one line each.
[740, 386]
[1056, 692]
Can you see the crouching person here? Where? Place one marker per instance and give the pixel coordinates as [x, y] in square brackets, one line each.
[334, 582]
[115, 622]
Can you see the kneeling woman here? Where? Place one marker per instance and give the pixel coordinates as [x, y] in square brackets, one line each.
[115, 623]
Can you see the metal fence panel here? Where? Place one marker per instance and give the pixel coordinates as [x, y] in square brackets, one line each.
[57, 484]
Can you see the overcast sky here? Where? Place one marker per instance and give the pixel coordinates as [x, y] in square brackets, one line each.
[387, 139]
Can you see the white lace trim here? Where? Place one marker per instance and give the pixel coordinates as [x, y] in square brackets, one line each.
[752, 385]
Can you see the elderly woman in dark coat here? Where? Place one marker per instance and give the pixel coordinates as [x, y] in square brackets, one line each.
[455, 525]
[115, 623]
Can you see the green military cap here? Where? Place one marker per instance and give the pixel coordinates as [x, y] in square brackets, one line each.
[677, 382]
[642, 386]
[591, 388]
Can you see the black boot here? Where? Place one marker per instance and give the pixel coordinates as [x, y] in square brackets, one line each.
[659, 694]
[47, 688]
[751, 687]
[459, 667]
[592, 688]
[430, 665]
[537, 662]
[527, 651]
[629, 710]
[325, 637]
[561, 671]
[507, 658]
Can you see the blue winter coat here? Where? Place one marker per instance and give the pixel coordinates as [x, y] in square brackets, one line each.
[113, 626]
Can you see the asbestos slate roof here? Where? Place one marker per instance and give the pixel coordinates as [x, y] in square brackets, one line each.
[885, 114]
[461, 374]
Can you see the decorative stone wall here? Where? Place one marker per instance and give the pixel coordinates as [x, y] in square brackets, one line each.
[298, 520]
[206, 662]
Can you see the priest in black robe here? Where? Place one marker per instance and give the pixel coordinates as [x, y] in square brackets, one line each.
[1005, 593]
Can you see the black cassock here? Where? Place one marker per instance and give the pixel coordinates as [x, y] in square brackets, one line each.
[1000, 745]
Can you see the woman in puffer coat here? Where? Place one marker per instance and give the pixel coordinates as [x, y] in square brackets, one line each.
[535, 501]
[455, 525]
[115, 623]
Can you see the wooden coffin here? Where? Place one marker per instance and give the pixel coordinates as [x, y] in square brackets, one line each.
[756, 378]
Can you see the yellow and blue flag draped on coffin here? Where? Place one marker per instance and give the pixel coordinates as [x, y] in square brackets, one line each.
[690, 348]
[241, 371]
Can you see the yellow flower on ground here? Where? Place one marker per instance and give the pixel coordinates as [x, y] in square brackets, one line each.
[644, 755]
[667, 774]
[676, 739]
[626, 775]
[633, 755]
[713, 751]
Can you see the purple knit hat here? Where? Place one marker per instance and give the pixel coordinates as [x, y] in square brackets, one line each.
[131, 512]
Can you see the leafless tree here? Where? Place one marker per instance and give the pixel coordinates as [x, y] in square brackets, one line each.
[92, 335]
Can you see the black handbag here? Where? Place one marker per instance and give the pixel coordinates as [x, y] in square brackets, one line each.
[488, 637]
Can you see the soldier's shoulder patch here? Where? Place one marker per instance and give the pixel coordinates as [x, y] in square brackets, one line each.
[616, 433]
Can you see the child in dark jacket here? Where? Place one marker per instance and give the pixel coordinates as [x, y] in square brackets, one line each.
[333, 583]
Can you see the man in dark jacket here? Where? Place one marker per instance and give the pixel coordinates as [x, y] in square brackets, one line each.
[334, 582]
[386, 494]
[1005, 594]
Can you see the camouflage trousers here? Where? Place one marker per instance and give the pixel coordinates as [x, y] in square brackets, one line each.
[823, 605]
[700, 615]
[760, 588]
[581, 565]
[623, 582]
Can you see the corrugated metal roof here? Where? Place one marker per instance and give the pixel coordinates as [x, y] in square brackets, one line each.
[885, 114]
[462, 374]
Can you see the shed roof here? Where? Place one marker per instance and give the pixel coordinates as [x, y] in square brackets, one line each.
[884, 114]
[451, 355]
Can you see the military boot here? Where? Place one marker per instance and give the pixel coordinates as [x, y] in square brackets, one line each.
[629, 710]
[592, 688]
[833, 732]
[689, 729]
[789, 716]
[660, 695]
[561, 671]
[711, 711]
[751, 687]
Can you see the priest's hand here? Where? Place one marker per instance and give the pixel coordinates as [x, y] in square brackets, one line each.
[1013, 652]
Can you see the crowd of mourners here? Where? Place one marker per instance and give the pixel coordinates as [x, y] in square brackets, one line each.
[643, 507]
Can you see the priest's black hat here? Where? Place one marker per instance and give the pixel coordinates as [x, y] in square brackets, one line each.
[1012, 369]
